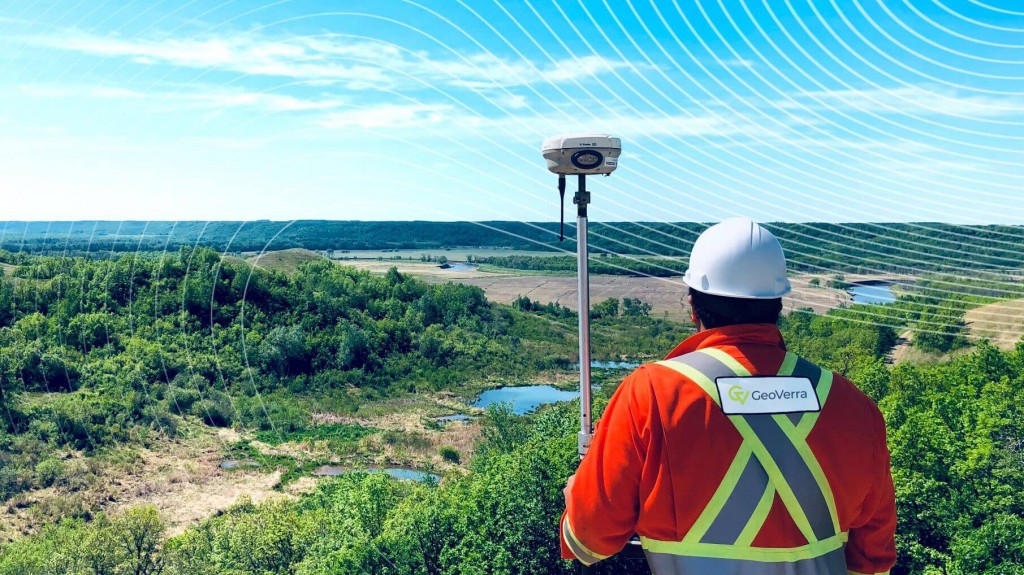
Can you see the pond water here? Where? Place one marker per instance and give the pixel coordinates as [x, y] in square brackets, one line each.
[872, 293]
[610, 365]
[456, 417]
[396, 472]
[237, 463]
[526, 398]
[458, 266]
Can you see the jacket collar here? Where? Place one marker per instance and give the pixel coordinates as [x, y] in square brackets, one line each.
[732, 335]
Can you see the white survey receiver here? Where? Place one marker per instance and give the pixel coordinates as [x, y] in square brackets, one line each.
[582, 153]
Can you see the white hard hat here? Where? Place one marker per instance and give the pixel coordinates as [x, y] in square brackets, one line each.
[738, 258]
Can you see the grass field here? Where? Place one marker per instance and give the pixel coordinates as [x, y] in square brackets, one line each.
[454, 254]
[1001, 322]
[286, 261]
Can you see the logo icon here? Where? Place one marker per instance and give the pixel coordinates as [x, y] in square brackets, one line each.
[736, 393]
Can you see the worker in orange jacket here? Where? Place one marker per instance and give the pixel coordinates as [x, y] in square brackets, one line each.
[734, 456]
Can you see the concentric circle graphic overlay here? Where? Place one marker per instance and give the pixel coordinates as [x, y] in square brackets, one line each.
[881, 140]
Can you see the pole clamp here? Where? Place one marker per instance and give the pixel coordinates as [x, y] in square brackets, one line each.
[581, 198]
[584, 443]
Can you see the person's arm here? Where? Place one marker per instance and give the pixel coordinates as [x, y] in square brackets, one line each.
[871, 548]
[603, 499]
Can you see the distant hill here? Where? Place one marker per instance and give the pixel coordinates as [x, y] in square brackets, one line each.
[287, 261]
[813, 247]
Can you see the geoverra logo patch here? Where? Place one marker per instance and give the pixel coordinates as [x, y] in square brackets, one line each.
[769, 395]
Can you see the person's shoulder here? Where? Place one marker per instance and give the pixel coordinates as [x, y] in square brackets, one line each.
[658, 378]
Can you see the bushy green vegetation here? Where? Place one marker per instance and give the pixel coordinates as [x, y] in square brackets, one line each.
[956, 433]
[94, 354]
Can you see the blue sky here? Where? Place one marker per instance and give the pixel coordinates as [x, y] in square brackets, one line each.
[796, 110]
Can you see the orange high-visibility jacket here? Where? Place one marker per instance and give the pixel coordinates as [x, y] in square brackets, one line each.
[791, 493]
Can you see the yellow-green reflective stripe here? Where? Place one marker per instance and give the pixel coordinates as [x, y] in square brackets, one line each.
[822, 389]
[833, 562]
[727, 359]
[765, 554]
[800, 442]
[775, 476]
[696, 376]
[788, 364]
[585, 555]
[849, 572]
[725, 488]
[757, 519]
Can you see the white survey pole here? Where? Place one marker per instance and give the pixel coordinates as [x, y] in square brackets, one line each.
[581, 199]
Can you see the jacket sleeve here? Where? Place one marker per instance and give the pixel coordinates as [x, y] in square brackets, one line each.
[871, 548]
[604, 501]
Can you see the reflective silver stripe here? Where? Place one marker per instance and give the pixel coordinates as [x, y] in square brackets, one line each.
[812, 372]
[709, 366]
[831, 563]
[740, 506]
[581, 553]
[800, 479]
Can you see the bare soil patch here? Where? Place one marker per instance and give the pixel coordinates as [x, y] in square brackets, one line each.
[287, 261]
[424, 270]
[902, 349]
[1002, 323]
[182, 479]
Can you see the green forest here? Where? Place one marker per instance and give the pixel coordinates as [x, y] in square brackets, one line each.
[100, 357]
[812, 247]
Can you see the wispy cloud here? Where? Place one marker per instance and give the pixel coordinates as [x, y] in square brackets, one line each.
[76, 91]
[447, 119]
[914, 100]
[390, 117]
[330, 59]
[266, 101]
[195, 97]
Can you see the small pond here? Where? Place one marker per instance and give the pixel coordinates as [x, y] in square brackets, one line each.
[872, 293]
[610, 365]
[456, 417]
[457, 266]
[238, 463]
[396, 472]
[526, 398]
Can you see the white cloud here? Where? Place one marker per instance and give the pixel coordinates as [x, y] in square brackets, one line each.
[203, 97]
[75, 91]
[389, 116]
[914, 100]
[510, 101]
[356, 64]
[266, 101]
[455, 122]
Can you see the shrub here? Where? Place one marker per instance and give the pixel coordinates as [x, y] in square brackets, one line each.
[48, 471]
[450, 454]
[215, 409]
[180, 400]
